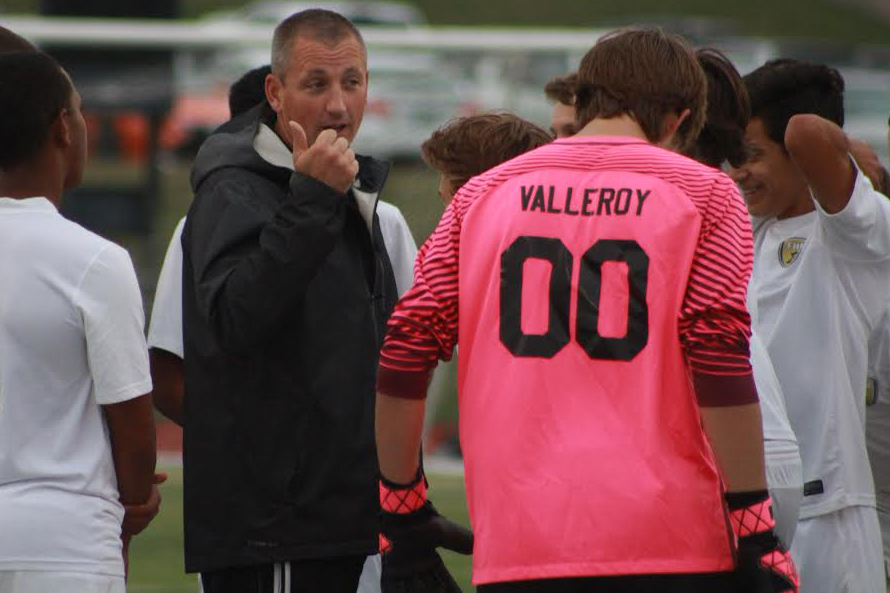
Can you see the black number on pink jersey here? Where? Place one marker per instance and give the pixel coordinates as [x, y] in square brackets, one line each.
[512, 260]
[587, 335]
[595, 345]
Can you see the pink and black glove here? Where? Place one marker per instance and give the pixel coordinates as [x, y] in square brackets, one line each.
[763, 565]
[412, 530]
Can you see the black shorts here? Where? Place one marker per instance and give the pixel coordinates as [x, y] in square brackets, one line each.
[321, 575]
[717, 582]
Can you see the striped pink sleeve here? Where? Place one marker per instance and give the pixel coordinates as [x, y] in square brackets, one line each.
[423, 326]
[714, 322]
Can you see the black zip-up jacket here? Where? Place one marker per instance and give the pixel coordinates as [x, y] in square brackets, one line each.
[285, 301]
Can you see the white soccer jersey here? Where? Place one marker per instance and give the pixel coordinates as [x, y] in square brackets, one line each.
[71, 340]
[774, 415]
[399, 243]
[165, 328]
[878, 423]
[820, 283]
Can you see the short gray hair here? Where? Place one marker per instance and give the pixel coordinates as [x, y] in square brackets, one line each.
[322, 25]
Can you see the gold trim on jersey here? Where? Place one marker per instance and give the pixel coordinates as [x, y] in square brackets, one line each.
[871, 391]
[789, 250]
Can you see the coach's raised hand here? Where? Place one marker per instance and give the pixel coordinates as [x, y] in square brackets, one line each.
[329, 159]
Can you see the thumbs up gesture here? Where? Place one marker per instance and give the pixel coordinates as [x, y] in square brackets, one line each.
[329, 159]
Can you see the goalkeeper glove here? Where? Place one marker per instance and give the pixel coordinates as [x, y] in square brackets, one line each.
[762, 565]
[414, 529]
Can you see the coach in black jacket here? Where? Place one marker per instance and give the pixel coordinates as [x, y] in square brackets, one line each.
[286, 290]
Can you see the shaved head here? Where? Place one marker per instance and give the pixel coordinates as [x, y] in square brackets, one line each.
[11, 42]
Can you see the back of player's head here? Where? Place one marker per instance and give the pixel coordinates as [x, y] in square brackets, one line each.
[34, 90]
[317, 24]
[783, 88]
[723, 136]
[646, 74]
[562, 89]
[468, 146]
[249, 90]
[11, 42]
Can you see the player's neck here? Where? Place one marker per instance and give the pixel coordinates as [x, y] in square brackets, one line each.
[623, 125]
[31, 181]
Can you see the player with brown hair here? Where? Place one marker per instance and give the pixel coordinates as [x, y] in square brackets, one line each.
[588, 281]
[561, 92]
[468, 146]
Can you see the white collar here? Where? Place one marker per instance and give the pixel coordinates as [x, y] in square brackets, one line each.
[27, 204]
[274, 151]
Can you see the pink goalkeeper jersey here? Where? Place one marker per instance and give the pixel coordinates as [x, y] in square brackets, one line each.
[590, 276]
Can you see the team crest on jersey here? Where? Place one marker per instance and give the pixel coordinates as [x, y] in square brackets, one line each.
[789, 250]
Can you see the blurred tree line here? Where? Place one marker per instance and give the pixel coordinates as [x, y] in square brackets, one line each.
[834, 20]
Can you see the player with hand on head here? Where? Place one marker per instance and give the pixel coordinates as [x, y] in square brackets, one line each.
[593, 378]
[820, 282]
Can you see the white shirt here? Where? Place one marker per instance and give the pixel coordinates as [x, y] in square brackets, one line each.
[773, 413]
[878, 423]
[776, 426]
[820, 283]
[71, 341]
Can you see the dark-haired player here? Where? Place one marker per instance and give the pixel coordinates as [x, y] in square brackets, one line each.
[722, 141]
[76, 424]
[165, 327]
[561, 92]
[12, 42]
[820, 282]
[588, 280]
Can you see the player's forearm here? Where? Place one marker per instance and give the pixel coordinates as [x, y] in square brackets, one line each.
[132, 434]
[167, 377]
[399, 429]
[820, 149]
[736, 437]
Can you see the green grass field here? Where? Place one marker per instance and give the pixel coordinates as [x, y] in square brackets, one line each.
[156, 564]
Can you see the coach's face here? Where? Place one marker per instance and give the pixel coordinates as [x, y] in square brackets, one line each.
[324, 87]
[771, 183]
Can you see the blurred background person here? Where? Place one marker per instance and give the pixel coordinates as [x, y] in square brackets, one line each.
[561, 92]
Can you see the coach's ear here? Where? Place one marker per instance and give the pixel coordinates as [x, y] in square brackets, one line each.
[669, 126]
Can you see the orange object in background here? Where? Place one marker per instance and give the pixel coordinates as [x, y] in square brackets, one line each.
[131, 130]
[94, 128]
[192, 119]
